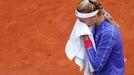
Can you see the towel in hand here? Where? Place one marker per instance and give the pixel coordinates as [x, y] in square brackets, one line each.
[75, 47]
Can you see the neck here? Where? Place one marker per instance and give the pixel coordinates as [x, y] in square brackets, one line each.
[100, 20]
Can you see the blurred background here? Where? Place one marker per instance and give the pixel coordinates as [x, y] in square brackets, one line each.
[33, 35]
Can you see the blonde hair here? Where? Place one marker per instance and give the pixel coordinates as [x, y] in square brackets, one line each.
[86, 6]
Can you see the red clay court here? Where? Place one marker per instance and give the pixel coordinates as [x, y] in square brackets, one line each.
[33, 35]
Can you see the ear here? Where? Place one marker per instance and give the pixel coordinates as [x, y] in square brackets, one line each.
[96, 16]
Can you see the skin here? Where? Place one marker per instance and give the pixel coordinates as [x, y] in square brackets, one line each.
[90, 21]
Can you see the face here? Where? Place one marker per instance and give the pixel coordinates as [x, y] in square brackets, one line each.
[89, 21]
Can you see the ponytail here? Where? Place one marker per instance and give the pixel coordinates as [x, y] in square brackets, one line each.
[110, 19]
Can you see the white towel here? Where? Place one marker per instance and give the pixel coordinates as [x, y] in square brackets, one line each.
[75, 46]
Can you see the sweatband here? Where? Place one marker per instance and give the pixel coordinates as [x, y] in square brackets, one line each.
[88, 43]
[86, 15]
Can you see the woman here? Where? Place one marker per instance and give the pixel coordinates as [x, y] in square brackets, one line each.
[109, 56]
